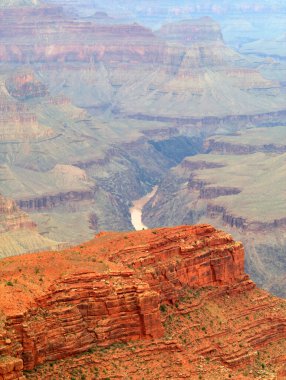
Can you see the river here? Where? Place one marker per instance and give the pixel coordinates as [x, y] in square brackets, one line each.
[137, 207]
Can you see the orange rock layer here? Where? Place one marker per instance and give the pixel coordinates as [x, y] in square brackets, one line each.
[129, 289]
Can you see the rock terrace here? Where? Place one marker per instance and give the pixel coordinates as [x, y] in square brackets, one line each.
[163, 294]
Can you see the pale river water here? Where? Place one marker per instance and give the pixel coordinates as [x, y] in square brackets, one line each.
[137, 207]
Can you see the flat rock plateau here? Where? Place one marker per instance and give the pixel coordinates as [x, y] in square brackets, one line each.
[163, 303]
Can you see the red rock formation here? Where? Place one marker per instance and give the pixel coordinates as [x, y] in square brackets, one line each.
[87, 309]
[185, 256]
[176, 296]
[11, 369]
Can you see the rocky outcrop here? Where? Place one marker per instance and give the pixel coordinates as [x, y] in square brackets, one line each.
[206, 191]
[210, 192]
[141, 297]
[213, 146]
[214, 211]
[233, 221]
[211, 123]
[190, 31]
[223, 147]
[199, 165]
[225, 190]
[25, 86]
[105, 304]
[50, 201]
[86, 309]
[204, 257]
[18, 123]
[18, 233]
[12, 218]
[11, 368]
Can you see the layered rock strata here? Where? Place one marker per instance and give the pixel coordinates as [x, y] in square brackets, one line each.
[119, 289]
[18, 233]
[183, 63]
[101, 95]
[224, 188]
[11, 217]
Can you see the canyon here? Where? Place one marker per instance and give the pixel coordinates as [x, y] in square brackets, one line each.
[136, 210]
[97, 109]
[238, 184]
[123, 302]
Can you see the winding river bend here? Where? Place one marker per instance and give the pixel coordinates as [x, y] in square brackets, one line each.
[137, 207]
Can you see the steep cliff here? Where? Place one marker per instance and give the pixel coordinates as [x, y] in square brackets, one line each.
[121, 102]
[18, 122]
[190, 31]
[18, 233]
[11, 217]
[185, 65]
[239, 186]
[268, 140]
[99, 94]
[178, 295]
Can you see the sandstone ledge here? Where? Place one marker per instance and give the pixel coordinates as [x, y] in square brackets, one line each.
[121, 288]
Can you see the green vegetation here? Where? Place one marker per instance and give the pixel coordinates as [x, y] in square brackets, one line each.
[163, 308]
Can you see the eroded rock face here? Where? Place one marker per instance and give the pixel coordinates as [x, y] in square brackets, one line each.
[185, 256]
[18, 233]
[220, 147]
[105, 303]
[63, 74]
[11, 368]
[204, 29]
[86, 309]
[109, 290]
[18, 123]
[25, 86]
[168, 295]
[51, 201]
[223, 188]
[12, 218]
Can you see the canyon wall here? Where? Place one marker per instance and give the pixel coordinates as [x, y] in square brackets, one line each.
[122, 104]
[18, 233]
[224, 187]
[123, 288]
